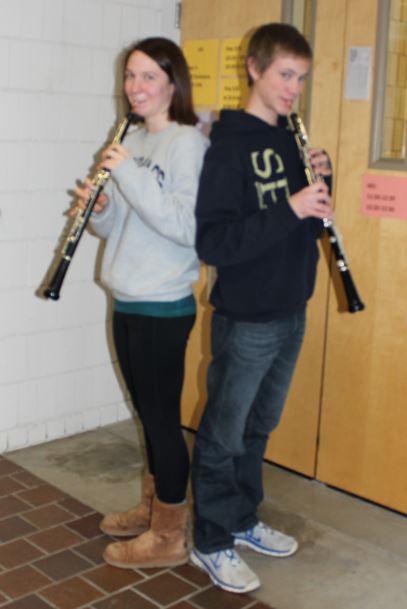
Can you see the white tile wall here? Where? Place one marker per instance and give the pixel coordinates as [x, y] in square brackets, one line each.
[9, 403]
[18, 438]
[57, 95]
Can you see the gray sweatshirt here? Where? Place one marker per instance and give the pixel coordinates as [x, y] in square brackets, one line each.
[149, 221]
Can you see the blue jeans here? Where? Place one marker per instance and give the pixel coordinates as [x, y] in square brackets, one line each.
[248, 381]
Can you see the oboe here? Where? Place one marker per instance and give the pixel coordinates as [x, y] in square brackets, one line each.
[81, 218]
[352, 296]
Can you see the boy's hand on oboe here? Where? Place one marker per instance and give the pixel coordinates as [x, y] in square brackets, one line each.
[312, 201]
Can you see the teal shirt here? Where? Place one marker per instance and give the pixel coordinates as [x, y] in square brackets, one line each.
[177, 308]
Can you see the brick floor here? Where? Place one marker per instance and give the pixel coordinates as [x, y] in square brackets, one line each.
[51, 558]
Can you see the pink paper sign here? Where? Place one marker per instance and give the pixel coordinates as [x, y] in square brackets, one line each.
[384, 196]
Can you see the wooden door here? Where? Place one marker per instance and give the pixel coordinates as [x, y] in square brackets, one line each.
[363, 446]
[345, 421]
[293, 444]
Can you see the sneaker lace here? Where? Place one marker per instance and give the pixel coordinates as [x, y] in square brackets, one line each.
[232, 557]
[265, 527]
[259, 528]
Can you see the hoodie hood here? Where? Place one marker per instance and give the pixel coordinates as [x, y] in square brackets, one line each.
[235, 122]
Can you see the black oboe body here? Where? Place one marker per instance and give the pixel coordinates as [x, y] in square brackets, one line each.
[353, 300]
[81, 219]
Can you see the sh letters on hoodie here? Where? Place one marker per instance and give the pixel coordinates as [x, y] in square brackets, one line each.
[269, 166]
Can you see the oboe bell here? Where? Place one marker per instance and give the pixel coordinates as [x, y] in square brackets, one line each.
[353, 300]
[52, 290]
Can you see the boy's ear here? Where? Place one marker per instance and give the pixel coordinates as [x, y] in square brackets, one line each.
[252, 68]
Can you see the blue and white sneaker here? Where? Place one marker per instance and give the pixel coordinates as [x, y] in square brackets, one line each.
[226, 570]
[266, 540]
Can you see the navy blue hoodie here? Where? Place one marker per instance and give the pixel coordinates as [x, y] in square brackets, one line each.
[265, 256]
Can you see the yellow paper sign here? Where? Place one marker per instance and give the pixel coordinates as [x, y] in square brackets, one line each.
[233, 93]
[203, 60]
[233, 55]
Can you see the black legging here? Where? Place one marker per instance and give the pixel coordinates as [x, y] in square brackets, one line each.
[151, 353]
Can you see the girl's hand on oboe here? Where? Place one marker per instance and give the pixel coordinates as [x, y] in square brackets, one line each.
[112, 156]
[83, 193]
[312, 201]
[320, 162]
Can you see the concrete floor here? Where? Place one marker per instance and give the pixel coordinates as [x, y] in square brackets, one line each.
[353, 555]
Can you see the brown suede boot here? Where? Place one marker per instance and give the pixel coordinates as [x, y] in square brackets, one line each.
[136, 520]
[164, 545]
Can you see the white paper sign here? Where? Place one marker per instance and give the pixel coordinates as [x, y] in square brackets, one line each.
[358, 76]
